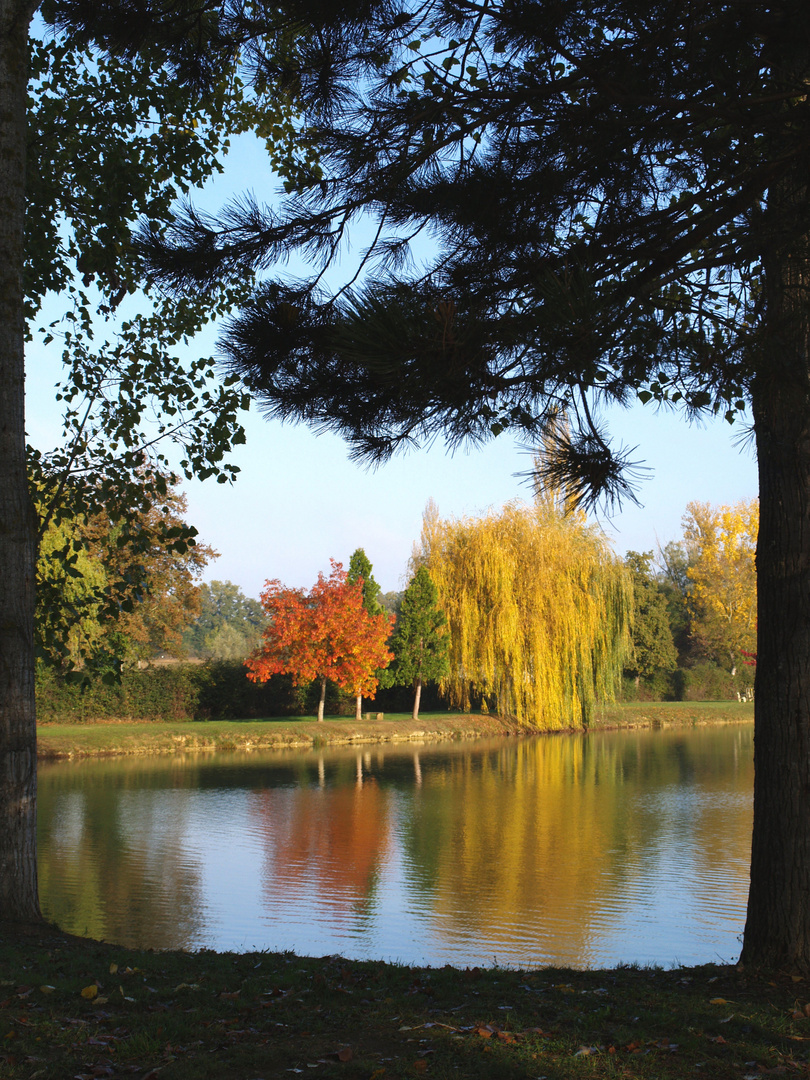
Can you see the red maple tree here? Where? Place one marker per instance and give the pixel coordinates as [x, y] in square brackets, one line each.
[325, 633]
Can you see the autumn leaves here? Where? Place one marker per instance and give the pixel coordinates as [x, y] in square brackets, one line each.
[526, 610]
[326, 633]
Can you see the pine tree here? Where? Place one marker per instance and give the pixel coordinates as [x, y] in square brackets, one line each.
[620, 193]
[420, 641]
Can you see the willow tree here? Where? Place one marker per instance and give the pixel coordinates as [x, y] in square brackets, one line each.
[538, 610]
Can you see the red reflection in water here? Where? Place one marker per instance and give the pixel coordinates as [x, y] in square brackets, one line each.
[330, 841]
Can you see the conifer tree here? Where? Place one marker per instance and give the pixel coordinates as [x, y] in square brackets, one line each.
[420, 642]
[620, 195]
[360, 570]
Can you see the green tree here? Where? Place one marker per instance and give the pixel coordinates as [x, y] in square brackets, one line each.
[673, 560]
[391, 602]
[129, 103]
[360, 570]
[621, 202]
[100, 621]
[229, 624]
[420, 642]
[652, 649]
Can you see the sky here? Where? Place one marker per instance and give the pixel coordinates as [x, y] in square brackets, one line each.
[300, 501]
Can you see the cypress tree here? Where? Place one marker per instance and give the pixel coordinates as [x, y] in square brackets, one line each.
[360, 570]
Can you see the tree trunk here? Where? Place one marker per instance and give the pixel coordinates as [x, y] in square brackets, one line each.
[18, 776]
[358, 708]
[417, 697]
[777, 930]
[322, 702]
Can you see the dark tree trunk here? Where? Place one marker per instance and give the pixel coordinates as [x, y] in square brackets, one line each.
[18, 868]
[777, 931]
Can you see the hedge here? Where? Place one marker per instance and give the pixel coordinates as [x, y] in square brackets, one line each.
[217, 690]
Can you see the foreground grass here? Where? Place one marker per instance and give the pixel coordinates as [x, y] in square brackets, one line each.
[108, 737]
[71, 1008]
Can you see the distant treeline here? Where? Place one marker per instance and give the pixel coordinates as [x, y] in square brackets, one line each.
[219, 690]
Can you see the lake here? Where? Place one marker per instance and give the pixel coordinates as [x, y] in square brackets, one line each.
[577, 850]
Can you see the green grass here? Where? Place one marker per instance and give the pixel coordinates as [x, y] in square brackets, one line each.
[110, 737]
[191, 1016]
[653, 713]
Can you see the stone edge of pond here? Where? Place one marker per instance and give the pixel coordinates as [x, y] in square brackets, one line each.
[158, 739]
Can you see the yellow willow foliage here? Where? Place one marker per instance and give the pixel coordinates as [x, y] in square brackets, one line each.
[721, 542]
[538, 610]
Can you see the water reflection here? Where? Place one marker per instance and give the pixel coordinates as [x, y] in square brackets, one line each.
[580, 850]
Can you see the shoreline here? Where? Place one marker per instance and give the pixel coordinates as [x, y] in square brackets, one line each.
[118, 738]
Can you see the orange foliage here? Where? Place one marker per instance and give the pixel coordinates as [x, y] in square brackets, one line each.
[325, 633]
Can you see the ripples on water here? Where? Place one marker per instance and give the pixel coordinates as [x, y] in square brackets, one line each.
[575, 850]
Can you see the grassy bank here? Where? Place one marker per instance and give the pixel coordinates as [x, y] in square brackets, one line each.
[645, 714]
[73, 1008]
[89, 740]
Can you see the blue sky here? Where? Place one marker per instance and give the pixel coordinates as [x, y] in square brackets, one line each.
[299, 500]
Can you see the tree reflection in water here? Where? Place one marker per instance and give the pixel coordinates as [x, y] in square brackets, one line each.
[581, 850]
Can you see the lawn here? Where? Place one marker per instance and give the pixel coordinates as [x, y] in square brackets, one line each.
[71, 1008]
[123, 737]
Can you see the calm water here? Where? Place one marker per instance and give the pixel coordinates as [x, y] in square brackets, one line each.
[575, 850]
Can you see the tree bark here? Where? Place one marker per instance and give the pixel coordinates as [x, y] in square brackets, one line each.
[417, 697]
[358, 708]
[322, 701]
[18, 868]
[777, 931]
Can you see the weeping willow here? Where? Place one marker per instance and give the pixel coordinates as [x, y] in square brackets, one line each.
[538, 608]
